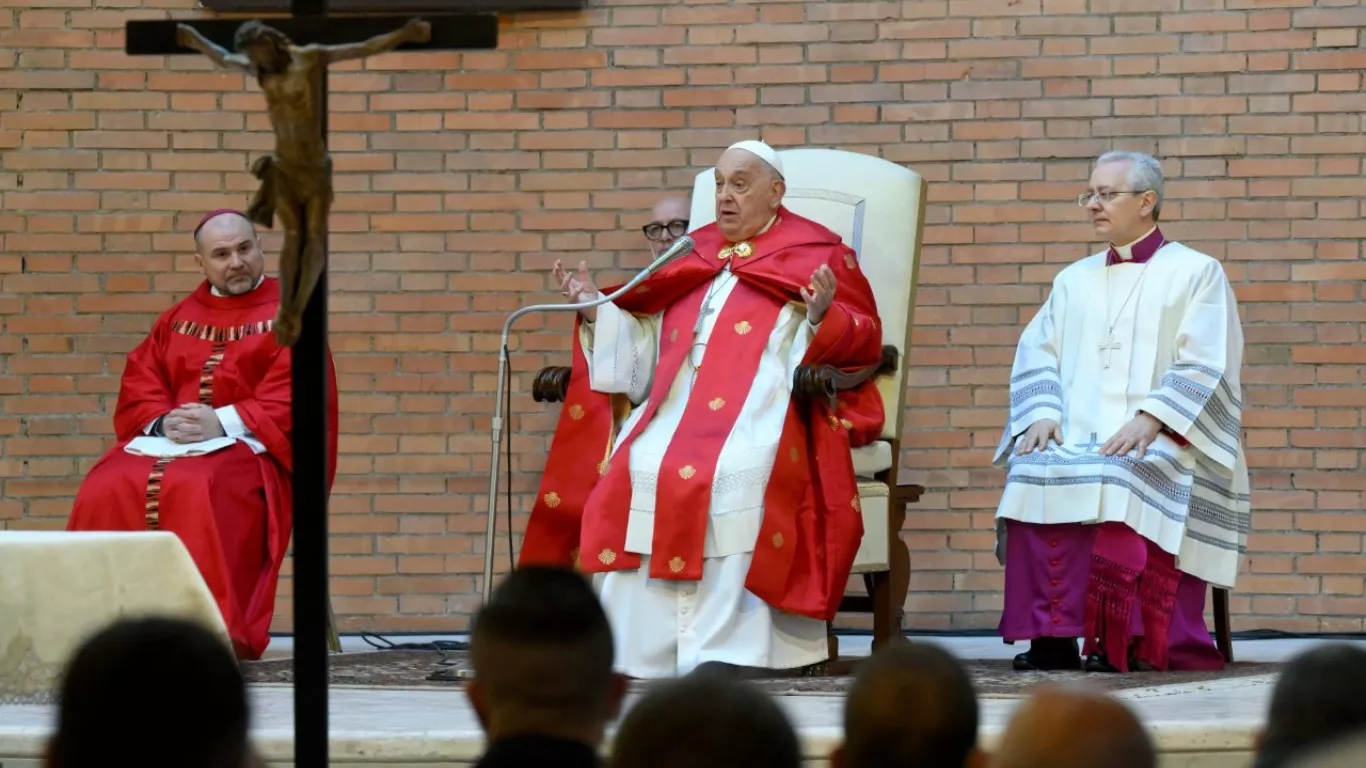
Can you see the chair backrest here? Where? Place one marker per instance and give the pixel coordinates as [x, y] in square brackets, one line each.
[878, 208]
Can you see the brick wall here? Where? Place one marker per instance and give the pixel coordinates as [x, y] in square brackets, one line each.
[462, 177]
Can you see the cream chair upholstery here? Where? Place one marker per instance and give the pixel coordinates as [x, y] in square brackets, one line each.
[878, 208]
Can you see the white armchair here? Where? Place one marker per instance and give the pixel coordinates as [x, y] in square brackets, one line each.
[878, 209]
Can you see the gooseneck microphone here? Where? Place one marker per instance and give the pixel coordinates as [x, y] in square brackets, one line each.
[681, 247]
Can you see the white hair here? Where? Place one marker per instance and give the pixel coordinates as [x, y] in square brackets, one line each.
[1145, 173]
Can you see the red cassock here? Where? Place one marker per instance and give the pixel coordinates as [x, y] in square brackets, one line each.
[233, 509]
[812, 524]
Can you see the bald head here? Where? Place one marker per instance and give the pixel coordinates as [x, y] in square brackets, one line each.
[229, 251]
[1064, 727]
[668, 222]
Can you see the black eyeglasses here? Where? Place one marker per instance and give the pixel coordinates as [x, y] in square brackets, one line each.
[655, 231]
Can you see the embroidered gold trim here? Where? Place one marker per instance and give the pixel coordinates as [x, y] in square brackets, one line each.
[152, 514]
[607, 557]
[220, 334]
[207, 373]
[677, 565]
[552, 499]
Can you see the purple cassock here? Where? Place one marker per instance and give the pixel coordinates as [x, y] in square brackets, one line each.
[1058, 586]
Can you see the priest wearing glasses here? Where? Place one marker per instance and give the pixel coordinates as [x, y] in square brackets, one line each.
[668, 222]
[1127, 489]
[718, 515]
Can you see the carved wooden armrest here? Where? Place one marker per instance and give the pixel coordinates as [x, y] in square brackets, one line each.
[825, 381]
[551, 384]
[909, 493]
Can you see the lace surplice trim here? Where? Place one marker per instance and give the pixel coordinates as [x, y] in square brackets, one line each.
[647, 483]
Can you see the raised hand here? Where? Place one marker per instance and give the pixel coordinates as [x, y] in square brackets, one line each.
[1139, 433]
[577, 286]
[819, 293]
[1037, 436]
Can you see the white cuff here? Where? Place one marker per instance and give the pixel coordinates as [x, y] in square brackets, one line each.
[147, 430]
[588, 322]
[233, 426]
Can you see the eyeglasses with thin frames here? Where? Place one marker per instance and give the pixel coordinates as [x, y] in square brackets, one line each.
[1084, 199]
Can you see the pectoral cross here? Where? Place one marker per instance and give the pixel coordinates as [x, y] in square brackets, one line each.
[1108, 346]
[311, 37]
[702, 316]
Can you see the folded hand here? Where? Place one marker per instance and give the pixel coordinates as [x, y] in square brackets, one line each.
[191, 423]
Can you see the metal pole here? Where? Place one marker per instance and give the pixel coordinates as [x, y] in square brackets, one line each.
[309, 413]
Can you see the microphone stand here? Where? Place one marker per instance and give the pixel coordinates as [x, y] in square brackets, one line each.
[680, 247]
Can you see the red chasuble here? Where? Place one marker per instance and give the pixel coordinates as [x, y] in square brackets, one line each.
[812, 525]
[232, 508]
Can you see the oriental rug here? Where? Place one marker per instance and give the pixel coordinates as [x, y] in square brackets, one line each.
[992, 678]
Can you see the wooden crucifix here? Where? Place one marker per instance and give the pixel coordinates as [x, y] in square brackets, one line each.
[289, 57]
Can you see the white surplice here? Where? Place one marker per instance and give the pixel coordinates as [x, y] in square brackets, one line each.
[1176, 353]
[665, 628]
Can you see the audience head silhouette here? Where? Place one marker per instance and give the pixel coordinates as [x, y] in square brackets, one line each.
[542, 653]
[706, 720]
[1317, 699]
[912, 705]
[1064, 727]
[172, 673]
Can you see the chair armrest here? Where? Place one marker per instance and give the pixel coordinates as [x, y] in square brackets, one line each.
[551, 384]
[902, 495]
[811, 381]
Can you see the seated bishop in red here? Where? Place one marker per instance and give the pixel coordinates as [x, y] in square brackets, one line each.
[204, 433]
[719, 515]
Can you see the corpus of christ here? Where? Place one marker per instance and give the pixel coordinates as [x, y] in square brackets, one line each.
[843, 401]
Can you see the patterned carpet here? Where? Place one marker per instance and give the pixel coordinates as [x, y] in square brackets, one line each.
[408, 669]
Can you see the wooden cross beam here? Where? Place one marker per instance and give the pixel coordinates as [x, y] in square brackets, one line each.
[296, 188]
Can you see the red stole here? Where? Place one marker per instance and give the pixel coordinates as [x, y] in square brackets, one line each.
[812, 525]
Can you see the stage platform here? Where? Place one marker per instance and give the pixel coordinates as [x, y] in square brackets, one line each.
[1199, 725]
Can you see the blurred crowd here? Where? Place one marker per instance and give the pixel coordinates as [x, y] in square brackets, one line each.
[160, 692]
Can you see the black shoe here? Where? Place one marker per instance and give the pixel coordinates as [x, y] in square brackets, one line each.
[1049, 654]
[1098, 663]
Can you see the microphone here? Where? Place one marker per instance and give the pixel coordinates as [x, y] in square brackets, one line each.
[680, 248]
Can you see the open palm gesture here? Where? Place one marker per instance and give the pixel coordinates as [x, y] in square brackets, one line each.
[819, 293]
[577, 286]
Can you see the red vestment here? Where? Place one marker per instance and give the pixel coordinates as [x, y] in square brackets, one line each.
[812, 525]
[233, 508]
